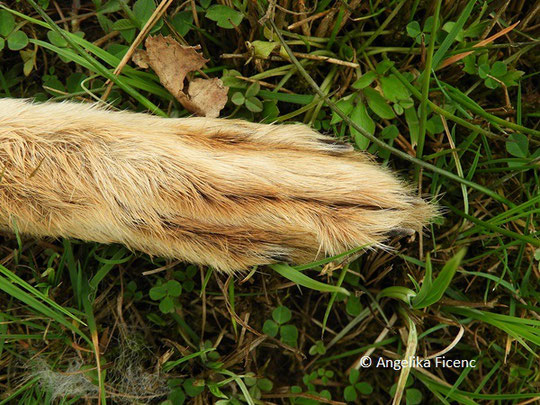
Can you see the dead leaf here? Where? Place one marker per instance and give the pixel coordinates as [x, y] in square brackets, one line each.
[210, 95]
[172, 62]
[140, 58]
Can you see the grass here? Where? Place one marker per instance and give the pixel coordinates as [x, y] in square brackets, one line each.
[396, 78]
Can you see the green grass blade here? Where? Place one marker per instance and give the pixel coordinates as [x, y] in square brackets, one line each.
[441, 283]
[329, 259]
[35, 292]
[8, 287]
[169, 365]
[301, 279]
[450, 38]
[119, 257]
[426, 77]
[427, 283]
[333, 297]
[92, 326]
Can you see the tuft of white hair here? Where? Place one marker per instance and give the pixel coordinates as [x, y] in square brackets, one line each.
[127, 378]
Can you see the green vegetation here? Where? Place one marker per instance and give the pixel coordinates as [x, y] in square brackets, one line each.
[443, 92]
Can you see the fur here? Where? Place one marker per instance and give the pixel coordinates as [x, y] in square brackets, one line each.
[225, 193]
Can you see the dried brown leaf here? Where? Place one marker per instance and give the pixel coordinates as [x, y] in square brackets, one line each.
[209, 95]
[172, 62]
[140, 58]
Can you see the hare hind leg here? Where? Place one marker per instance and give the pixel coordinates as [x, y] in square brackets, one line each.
[224, 193]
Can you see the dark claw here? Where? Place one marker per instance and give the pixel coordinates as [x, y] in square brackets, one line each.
[400, 232]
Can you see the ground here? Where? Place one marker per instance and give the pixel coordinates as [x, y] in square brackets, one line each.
[445, 93]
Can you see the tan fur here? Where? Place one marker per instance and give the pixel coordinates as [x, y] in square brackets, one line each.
[226, 193]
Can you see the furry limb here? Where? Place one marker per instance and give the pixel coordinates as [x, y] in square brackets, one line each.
[225, 193]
